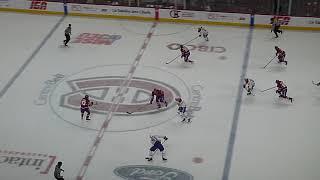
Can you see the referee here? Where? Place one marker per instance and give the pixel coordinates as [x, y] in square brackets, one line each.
[67, 33]
[57, 171]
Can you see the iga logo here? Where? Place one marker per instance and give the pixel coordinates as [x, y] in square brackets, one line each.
[140, 172]
[135, 98]
[98, 39]
[41, 5]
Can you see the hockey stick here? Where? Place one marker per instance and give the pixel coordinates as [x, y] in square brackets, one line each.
[190, 40]
[268, 89]
[172, 60]
[270, 61]
[190, 61]
[128, 112]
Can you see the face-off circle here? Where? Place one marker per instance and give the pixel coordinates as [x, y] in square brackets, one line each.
[102, 84]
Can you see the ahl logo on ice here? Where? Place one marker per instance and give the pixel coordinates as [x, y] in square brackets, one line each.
[98, 39]
[144, 172]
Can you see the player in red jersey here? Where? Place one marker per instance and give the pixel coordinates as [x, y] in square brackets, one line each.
[159, 97]
[185, 53]
[281, 54]
[282, 90]
[84, 107]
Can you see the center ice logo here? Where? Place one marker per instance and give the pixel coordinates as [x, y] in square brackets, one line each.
[144, 172]
[103, 90]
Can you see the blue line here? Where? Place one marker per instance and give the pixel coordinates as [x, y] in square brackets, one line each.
[34, 53]
[235, 120]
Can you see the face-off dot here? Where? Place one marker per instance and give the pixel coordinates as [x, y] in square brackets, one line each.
[197, 160]
[222, 57]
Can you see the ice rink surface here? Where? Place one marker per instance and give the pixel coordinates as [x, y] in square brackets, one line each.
[42, 82]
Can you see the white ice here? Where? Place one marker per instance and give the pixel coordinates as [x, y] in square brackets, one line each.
[275, 139]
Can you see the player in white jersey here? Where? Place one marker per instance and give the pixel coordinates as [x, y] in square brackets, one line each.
[204, 33]
[248, 85]
[182, 108]
[317, 84]
[157, 144]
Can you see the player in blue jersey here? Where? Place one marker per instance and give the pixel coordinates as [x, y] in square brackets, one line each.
[157, 144]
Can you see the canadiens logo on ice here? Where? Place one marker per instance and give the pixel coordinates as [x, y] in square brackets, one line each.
[139, 172]
[103, 90]
[97, 39]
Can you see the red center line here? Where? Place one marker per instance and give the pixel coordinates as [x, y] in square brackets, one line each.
[115, 104]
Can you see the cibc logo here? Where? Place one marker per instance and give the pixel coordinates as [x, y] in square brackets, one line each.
[37, 161]
[201, 48]
[145, 172]
[135, 99]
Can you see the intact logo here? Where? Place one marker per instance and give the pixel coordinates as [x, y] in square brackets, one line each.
[284, 20]
[98, 39]
[40, 5]
[36, 161]
[140, 172]
[104, 89]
